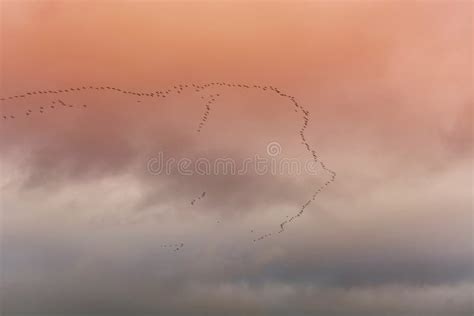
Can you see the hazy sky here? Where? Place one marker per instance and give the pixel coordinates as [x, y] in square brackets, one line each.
[388, 85]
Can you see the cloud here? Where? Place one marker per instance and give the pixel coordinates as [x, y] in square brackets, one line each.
[83, 220]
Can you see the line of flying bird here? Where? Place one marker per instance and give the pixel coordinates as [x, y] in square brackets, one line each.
[203, 194]
[178, 89]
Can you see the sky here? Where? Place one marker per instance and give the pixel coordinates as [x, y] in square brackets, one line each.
[380, 91]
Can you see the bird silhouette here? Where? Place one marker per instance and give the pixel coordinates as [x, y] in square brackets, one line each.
[200, 88]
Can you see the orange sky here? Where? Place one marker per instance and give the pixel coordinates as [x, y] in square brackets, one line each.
[389, 89]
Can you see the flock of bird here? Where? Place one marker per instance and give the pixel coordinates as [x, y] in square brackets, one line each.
[203, 194]
[207, 111]
[178, 89]
[42, 109]
[176, 247]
